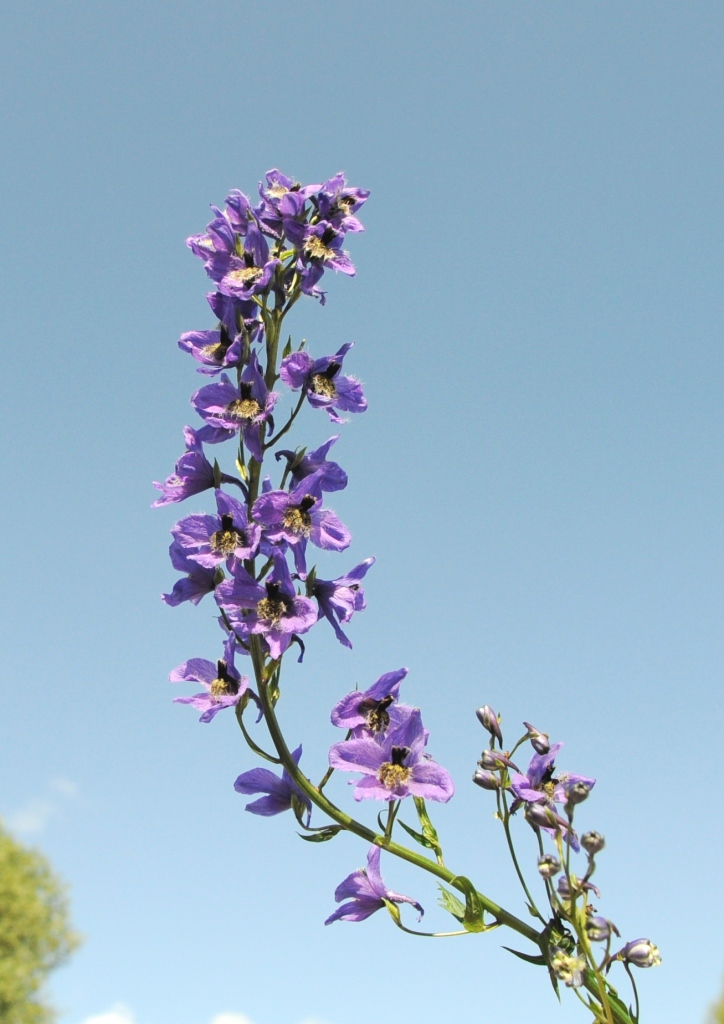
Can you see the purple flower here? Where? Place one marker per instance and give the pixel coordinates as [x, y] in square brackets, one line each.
[338, 203]
[210, 540]
[247, 408]
[238, 209]
[195, 585]
[232, 312]
[394, 767]
[366, 892]
[333, 477]
[272, 609]
[279, 791]
[373, 711]
[326, 388]
[223, 686]
[246, 275]
[539, 784]
[489, 720]
[339, 599]
[219, 237]
[322, 248]
[193, 474]
[214, 349]
[297, 516]
[540, 741]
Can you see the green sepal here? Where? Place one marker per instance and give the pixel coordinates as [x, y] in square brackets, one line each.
[473, 917]
[539, 959]
[217, 474]
[323, 835]
[243, 472]
[298, 456]
[394, 912]
[451, 903]
[417, 836]
[287, 350]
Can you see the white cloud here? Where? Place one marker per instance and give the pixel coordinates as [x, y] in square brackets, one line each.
[231, 1018]
[116, 1015]
[35, 815]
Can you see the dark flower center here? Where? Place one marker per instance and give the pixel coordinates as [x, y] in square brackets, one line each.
[297, 517]
[226, 540]
[316, 248]
[223, 685]
[375, 713]
[323, 383]
[244, 408]
[275, 605]
[393, 773]
[218, 350]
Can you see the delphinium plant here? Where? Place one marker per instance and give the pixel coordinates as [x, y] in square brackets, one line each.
[254, 552]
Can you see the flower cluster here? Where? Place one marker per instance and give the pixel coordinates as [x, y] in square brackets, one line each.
[550, 798]
[254, 549]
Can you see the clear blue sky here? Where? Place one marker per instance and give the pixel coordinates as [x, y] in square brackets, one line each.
[538, 315]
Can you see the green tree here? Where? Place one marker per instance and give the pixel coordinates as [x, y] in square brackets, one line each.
[716, 1013]
[35, 935]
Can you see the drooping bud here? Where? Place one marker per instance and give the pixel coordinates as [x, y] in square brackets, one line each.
[489, 720]
[640, 953]
[599, 929]
[486, 780]
[494, 760]
[564, 887]
[548, 865]
[592, 842]
[540, 741]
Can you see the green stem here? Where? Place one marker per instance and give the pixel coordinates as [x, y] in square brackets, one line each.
[356, 827]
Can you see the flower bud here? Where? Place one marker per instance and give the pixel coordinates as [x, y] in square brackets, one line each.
[640, 953]
[486, 780]
[540, 741]
[548, 865]
[598, 928]
[592, 842]
[489, 720]
[494, 760]
[577, 793]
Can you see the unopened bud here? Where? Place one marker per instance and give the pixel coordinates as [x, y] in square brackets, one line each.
[540, 741]
[598, 929]
[592, 842]
[548, 865]
[486, 780]
[577, 793]
[489, 720]
[640, 953]
[494, 760]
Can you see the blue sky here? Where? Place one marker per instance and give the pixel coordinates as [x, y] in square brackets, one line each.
[537, 317]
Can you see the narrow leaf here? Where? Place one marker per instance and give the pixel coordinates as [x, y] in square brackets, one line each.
[417, 836]
[473, 919]
[538, 960]
[323, 836]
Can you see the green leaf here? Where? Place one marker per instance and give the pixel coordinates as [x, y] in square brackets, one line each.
[473, 918]
[311, 580]
[287, 351]
[217, 475]
[451, 903]
[539, 960]
[417, 836]
[322, 836]
[242, 470]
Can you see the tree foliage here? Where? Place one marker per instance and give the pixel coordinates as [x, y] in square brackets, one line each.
[35, 934]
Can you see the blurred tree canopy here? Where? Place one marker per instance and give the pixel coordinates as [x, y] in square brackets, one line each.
[716, 1013]
[35, 934]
